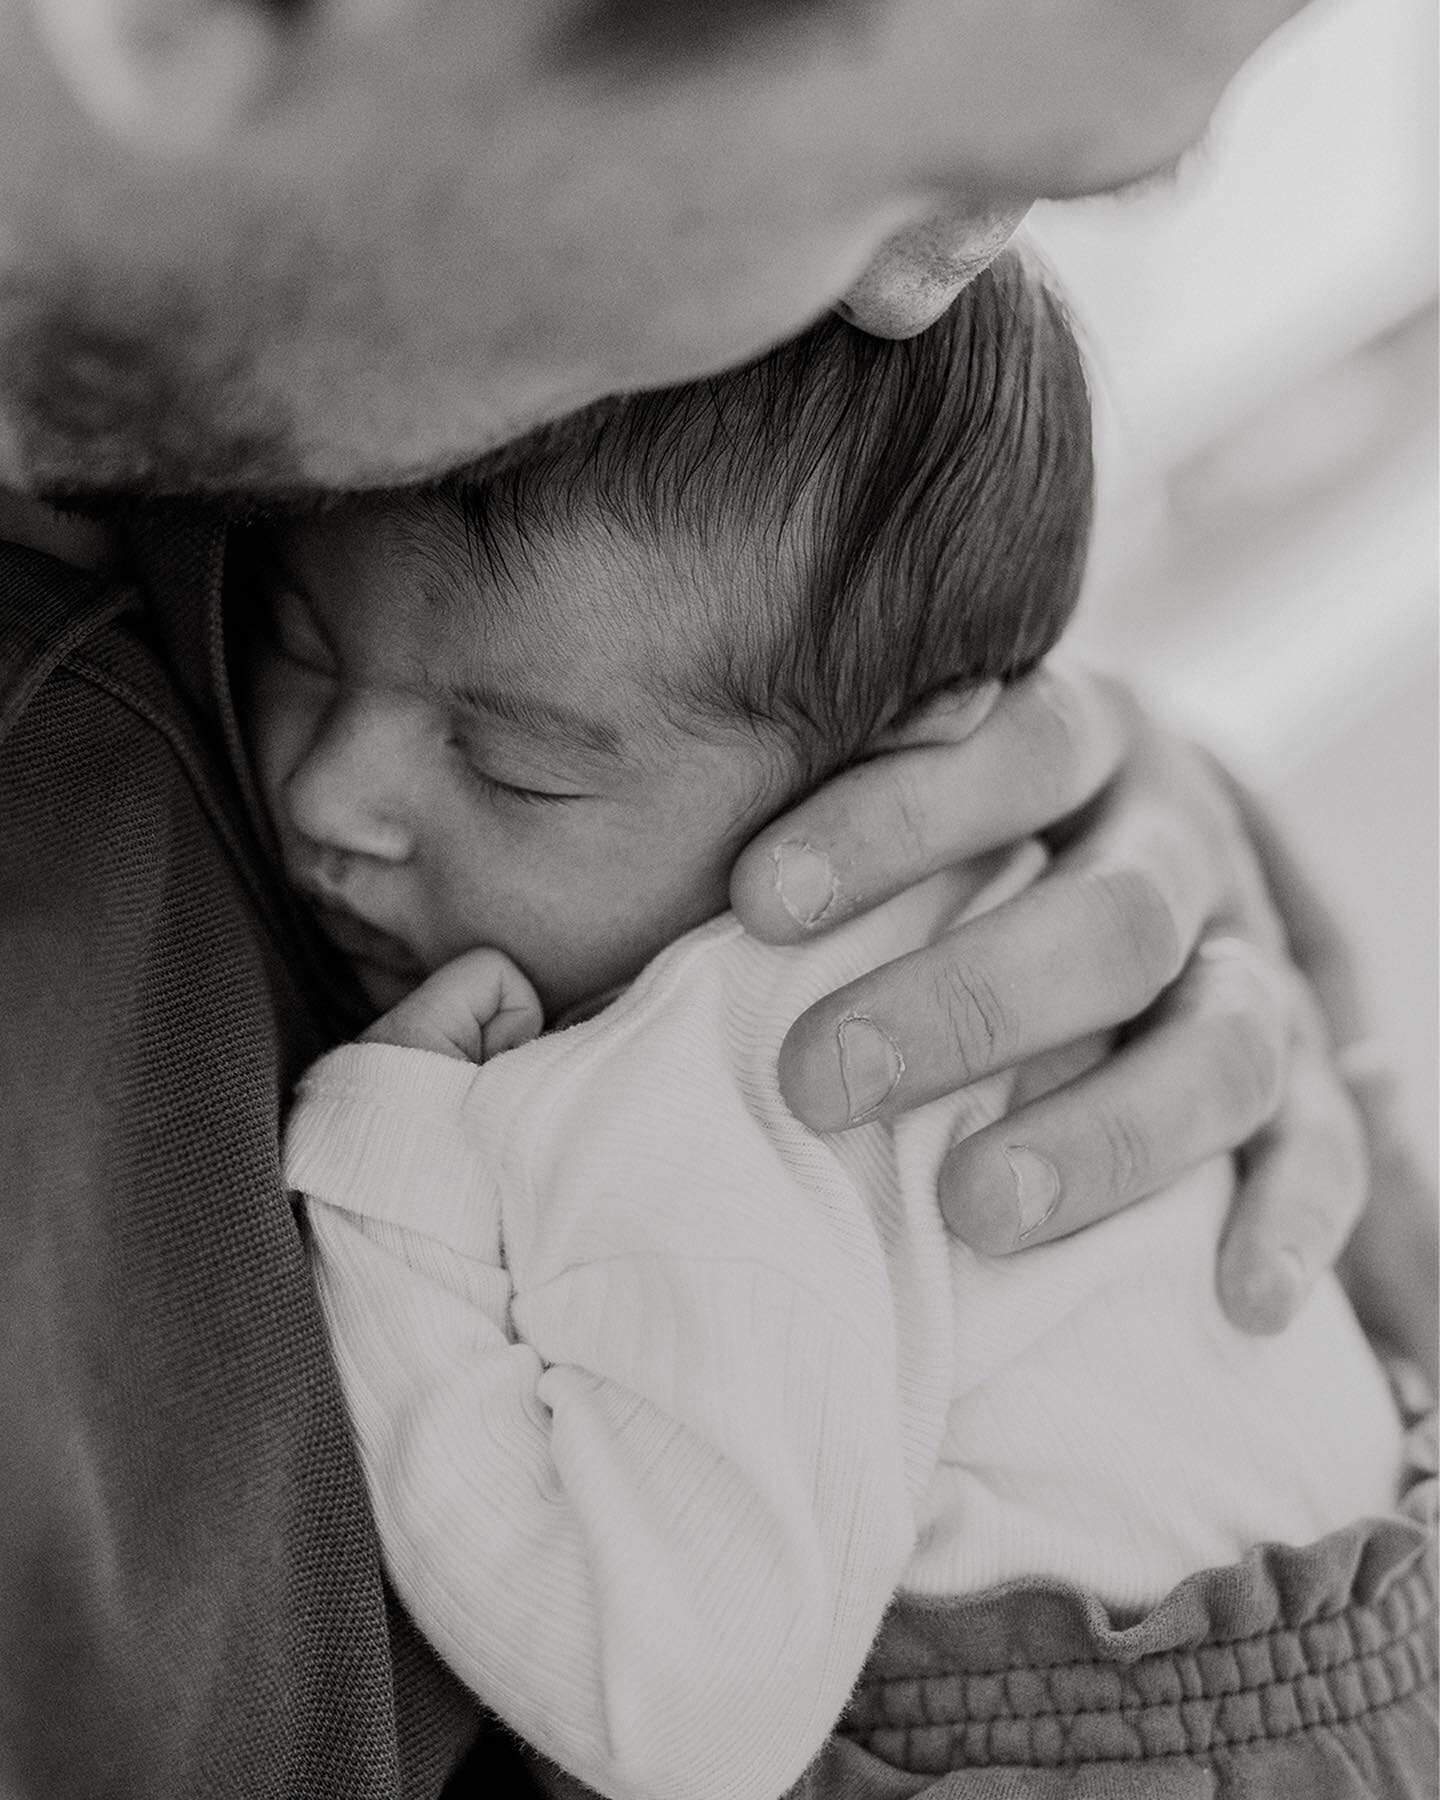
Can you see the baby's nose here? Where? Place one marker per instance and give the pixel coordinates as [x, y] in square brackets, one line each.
[353, 790]
[916, 274]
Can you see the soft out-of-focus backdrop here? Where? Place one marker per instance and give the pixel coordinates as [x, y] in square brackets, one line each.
[1262, 336]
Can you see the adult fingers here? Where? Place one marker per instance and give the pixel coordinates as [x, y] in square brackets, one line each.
[1207, 1072]
[1302, 1190]
[1091, 945]
[947, 792]
[1391, 1265]
[1171, 813]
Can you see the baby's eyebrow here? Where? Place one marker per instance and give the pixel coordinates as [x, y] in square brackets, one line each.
[549, 719]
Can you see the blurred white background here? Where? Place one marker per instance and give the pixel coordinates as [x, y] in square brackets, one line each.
[1262, 337]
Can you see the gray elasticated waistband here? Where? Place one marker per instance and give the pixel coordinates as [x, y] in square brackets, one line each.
[1038, 1674]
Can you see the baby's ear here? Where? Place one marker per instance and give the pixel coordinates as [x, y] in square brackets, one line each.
[948, 716]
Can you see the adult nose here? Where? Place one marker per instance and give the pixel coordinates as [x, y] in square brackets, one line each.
[917, 272]
[352, 792]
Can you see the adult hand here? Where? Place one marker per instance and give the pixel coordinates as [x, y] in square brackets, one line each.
[1391, 1265]
[1154, 918]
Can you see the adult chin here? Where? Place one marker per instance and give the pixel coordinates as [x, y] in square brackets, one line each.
[915, 275]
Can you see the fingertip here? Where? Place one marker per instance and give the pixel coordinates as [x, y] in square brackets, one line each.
[809, 1076]
[1261, 1291]
[784, 887]
[510, 1029]
[752, 904]
[977, 1200]
[755, 896]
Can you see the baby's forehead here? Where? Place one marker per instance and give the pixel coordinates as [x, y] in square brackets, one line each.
[585, 599]
[615, 626]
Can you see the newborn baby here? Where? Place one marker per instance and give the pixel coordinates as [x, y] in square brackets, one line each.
[661, 1398]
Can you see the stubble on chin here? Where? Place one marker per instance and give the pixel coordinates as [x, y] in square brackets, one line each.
[96, 407]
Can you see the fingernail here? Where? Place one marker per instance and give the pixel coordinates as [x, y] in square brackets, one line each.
[804, 880]
[1272, 1291]
[1037, 1190]
[870, 1065]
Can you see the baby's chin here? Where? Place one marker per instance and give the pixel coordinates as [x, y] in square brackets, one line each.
[569, 996]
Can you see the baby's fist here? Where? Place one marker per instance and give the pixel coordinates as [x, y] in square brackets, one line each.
[472, 1009]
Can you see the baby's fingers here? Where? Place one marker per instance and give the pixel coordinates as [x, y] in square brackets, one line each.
[518, 1016]
[473, 1008]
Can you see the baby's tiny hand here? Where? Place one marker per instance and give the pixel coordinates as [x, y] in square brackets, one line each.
[472, 1009]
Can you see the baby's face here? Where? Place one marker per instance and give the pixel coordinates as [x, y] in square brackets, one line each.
[446, 772]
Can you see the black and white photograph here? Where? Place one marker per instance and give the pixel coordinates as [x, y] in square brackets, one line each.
[718, 899]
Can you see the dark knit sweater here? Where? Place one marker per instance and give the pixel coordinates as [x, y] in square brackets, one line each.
[190, 1596]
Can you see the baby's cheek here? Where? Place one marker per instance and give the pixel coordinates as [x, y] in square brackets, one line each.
[580, 896]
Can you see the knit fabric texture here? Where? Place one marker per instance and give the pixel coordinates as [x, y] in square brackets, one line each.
[190, 1596]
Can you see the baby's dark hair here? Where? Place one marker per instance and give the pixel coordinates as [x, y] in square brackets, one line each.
[864, 523]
